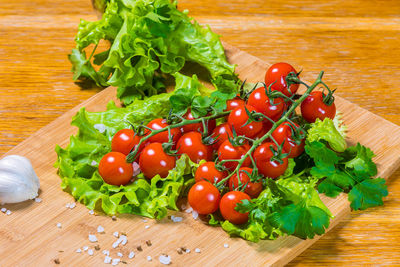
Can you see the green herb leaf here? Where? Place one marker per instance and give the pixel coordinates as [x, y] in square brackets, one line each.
[367, 194]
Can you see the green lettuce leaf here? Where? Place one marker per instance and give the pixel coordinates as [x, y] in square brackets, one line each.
[148, 39]
[326, 130]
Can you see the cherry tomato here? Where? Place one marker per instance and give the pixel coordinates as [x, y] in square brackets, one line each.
[114, 169]
[250, 188]
[153, 160]
[204, 197]
[231, 104]
[267, 125]
[284, 133]
[314, 107]
[228, 151]
[238, 118]
[277, 74]
[197, 126]
[227, 207]
[208, 171]
[124, 141]
[221, 134]
[267, 167]
[158, 124]
[191, 144]
[260, 101]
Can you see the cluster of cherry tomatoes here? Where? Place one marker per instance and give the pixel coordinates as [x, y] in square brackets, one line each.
[224, 146]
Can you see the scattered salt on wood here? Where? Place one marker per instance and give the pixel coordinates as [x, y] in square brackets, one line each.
[115, 261]
[116, 234]
[91, 212]
[106, 252]
[78, 250]
[189, 210]
[90, 252]
[119, 254]
[72, 205]
[100, 229]
[197, 250]
[59, 225]
[195, 215]
[8, 212]
[107, 259]
[165, 259]
[38, 200]
[92, 238]
[3, 210]
[131, 254]
[85, 248]
[148, 258]
[226, 245]
[147, 226]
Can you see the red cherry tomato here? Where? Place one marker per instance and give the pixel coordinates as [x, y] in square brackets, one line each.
[267, 125]
[238, 118]
[158, 124]
[314, 107]
[260, 101]
[221, 134]
[284, 133]
[197, 126]
[208, 171]
[227, 207]
[253, 189]
[114, 169]
[228, 151]
[153, 160]
[191, 144]
[204, 197]
[277, 74]
[267, 167]
[124, 141]
[231, 104]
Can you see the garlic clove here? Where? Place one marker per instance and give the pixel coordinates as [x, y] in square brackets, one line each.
[18, 180]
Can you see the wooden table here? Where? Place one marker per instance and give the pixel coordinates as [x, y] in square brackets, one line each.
[355, 42]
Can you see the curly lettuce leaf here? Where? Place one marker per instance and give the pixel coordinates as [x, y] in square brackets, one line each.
[326, 130]
[78, 163]
[148, 39]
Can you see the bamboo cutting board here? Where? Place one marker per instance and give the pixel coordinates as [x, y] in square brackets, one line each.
[30, 237]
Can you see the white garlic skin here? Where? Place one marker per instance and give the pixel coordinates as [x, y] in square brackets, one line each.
[18, 180]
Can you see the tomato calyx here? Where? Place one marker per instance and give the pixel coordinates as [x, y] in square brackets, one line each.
[238, 140]
[328, 98]
[292, 78]
[278, 153]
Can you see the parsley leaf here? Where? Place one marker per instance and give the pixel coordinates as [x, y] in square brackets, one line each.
[368, 193]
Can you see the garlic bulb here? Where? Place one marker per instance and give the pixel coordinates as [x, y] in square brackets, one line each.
[18, 180]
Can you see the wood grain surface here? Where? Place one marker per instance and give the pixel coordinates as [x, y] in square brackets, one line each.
[355, 42]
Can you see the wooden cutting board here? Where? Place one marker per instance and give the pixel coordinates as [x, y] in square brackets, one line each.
[30, 237]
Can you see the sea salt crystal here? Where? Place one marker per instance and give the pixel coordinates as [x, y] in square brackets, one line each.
[226, 245]
[59, 225]
[91, 212]
[131, 254]
[148, 258]
[165, 259]
[115, 262]
[195, 215]
[144, 220]
[67, 205]
[90, 252]
[189, 210]
[8, 212]
[119, 254]
[124, 239]
[176, 219]
[106, 252]
[78, 250]
[107, 259]
[3, 210]
[187, 250]
[92, 238]
[147, 226]
[38, 200]
[85, 248]
[72, 205]
[100, 127]
[100, 229]
[197, 250]
[116, 234]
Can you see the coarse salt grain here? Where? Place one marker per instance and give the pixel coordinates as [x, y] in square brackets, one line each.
[116, 234]
[131, 254]
[197, 250]
[124, 239]
[92, 238]
[100, 127]
[85, 248]
[187, 250]
[144, 220]
[90, 252]
[100, 229]
[106, 252]
[176, 219]
[195, 215]
[67, 205]
[3, 210]
[115, 261]
[59, 225]
[8, 212]
[226, 245]
[147, 226]
[119, 254]
[148, 258]
[78, 250]
[189, 210]
[38, 200]
[91, 212]
[107, 259]
[165, 259]
[72, 205]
